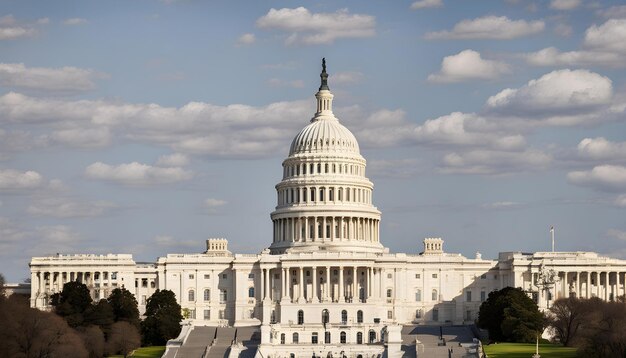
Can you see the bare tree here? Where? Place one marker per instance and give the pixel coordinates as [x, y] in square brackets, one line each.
[93, 339]
[124, 338]
[566, 318]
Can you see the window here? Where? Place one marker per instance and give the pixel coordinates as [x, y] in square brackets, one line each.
[483, 276]
[389, 275]
[327, 337]
[435, 314]
[389, 314]
[342, 337]
[418, 314]
[359, 338]
[224, 276]
[251, 292]
[191, 296]
[468, 315]
[144, 282]
[207, 315]
[206, 277]
[152, 284]
[325, 316]
[482, 296]
[344, 316]
[434, 275]
[143, 299]
[191, 276]
[314, 338]
[282, 338]
[434, 295]
[418, 295]
[359, 316]
[222, 314]
[250, 275]
[468, 296]
[113, 275]
[223, 296]
[372, 338]
[300, 317]
[389, 293]
[295, 338]
[207, 295]
[418, 276]
[192, 314]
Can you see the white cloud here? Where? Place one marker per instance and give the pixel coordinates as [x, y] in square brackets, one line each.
[603, 177]
[136, 174]
[173, 160]
[57, 238]
[80, 137]
[551, 56]
[11, 28]
[276, 82]
[50, 80]
[564, 30]
[620, 201]
[617, 234]
[502, 205]
[562, 92]
[75, 21]
[212, 203]
[246, 39]
[613, 12]
[468, 65]
[347, 77]
[602, 149]
[423, 4]
[489, 27]
[11, 179]
[608, 37]
[305, 27]
[488, 162]
[565, 4]
[66, 208]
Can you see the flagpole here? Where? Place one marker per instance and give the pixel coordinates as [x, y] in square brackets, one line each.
[552, 233]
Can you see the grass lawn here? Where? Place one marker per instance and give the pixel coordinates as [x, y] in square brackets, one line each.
[526, 350]
[147, 352]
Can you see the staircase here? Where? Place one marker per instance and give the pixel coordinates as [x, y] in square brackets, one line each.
[219, 349]
[250, 337]
[196, 343]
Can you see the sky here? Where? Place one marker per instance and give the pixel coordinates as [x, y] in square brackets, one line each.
[147, 127]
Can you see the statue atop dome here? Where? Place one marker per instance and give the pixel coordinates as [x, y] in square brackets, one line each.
[324, 76]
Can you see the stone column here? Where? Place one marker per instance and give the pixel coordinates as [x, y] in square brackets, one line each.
[355, 293]
[301, 285]
[587, 284]
[606, 286]
[341, 289]
[314, 296]
[267, 291]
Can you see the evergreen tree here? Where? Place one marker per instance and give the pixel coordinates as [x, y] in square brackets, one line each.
[72, 303]
[124, 306]
[100, 314]
[511, 316]
[163, 316]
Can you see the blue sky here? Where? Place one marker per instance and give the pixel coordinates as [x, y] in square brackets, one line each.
[146, 127]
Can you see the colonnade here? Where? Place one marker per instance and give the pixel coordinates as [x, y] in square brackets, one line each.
[48, 282]
[322, 284]
[606, 285]
[326, 229]
[324, 195]
[297, 169]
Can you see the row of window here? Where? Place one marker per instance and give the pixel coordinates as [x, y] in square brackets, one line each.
[208, 277]
[292, 170]
[295, 337]
[191, 295]
[326, 316]
[322, 195]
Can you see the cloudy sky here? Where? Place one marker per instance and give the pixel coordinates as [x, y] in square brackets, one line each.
[148, 126]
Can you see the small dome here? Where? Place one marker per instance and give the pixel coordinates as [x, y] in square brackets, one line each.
[324, 135]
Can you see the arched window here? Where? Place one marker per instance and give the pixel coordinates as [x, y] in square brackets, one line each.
[311, 167]
[434, 296]
[192, 295]
[340, 194]
[372, 337]
[359, 338]
[331, 194]
[319, 168]
[326, 171]
[295, 338]
[303, 168]
[207, 295]
[312, 194]
[359, 316]
[344, 316]
[321, 194]
[342, 337]
[282, 338]
[418, 295]
[300, 317]
[327, 337]
[325, 316]
[251, 292]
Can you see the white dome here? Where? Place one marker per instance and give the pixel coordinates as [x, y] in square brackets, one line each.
[324, 135]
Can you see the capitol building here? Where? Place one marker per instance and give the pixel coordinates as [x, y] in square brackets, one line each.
[326, 278]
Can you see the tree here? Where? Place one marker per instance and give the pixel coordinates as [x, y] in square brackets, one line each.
[124, 338]
[93, 339]
[101, 315]
[567, 315]
[2, 283]
[604, 332]
[163, 316]
[510, 315]
[124, 306]
[72, 303]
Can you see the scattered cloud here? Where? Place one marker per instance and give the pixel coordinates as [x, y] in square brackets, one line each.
[502, 205]
[423, 4]
[12, 29]
[305, 27]
[11, 179]
[602, 149]
[246, 39]
[468, 65]
[620, 201]
[276, 82]
[602, 177]
[136, 174]
[613, 12]
[96, 137]
[173, 160]
[489, 162]
[75, 21]
[564, 30]
[353, 77]
[56, 238]
[489, 27]
[565, 4]
[608, 37]
[212, 205]
[617, 234]
[62, 207]
[62, 80]
[565, 94]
